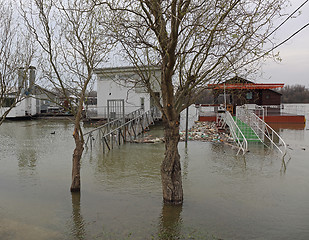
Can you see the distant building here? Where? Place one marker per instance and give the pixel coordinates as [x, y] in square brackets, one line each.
[47, 101]
[260, 97]
[26, 105]
[31, 99]
[238, 91]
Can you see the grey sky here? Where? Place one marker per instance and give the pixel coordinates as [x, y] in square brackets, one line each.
[294, 68]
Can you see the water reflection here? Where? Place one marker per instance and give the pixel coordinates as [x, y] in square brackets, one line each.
[27, 163]
[131, 166]
[225, 159]
[78, 224]
[26, 147]
[170, 222]
[27, 159]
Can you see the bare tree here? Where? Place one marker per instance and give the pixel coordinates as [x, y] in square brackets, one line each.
[16, 53]
[71, 48]
[195, 43]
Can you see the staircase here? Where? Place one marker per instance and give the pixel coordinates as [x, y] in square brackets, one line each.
[247, 131]
[246, 115]
[248, 127]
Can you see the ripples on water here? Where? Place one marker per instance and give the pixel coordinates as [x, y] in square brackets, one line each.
[226, 196]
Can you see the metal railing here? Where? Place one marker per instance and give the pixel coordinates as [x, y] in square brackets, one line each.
[236, 133]
[121, 130]
[207, 110]
[245, 115]
[269, 136]
[94, 111]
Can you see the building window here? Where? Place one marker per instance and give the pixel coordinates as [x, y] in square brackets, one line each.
[249, 95]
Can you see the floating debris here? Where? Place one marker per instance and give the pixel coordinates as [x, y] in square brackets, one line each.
[201, 131]
[149, 139]
[207, 132]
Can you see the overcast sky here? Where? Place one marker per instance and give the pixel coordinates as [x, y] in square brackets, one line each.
[294, 68]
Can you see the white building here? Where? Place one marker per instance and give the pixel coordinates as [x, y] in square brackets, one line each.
[28, 105]
[119, 90]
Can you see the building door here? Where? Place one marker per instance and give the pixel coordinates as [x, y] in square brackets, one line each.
[115, 109]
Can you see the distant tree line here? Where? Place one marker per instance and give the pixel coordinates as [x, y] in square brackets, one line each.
[295, 94]
[206, 97]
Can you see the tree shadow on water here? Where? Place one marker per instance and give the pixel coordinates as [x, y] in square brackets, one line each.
[170, 222]
[172, 226]
[78, 224]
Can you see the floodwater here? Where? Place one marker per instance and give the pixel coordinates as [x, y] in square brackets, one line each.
[225, 196]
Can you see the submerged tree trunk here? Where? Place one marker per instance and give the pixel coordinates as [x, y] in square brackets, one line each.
[79, 144]
[171, 168]
[77, 155]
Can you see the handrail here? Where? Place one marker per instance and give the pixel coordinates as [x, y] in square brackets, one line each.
[144, 114]
[116, 120]
[235, 131]
[261, 128]
[118, 131]
[270, 132]
[103, 126]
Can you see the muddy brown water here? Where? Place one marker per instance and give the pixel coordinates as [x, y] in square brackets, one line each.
[225, 196]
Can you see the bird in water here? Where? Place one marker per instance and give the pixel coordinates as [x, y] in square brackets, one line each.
[53, 132]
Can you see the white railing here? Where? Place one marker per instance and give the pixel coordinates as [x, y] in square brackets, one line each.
[269, 136]
[236, 133]
[206, 110]
[290, 108]
[94, 111]
[244, 114]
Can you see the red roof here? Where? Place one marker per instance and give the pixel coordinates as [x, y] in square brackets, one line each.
[246, 86]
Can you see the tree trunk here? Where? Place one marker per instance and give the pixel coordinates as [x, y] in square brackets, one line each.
[77, 155]
[170, 168]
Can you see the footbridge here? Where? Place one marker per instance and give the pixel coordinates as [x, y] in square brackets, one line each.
[121, 130]
[248, 126]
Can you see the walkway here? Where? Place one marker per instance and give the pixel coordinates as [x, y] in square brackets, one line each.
[121, 130]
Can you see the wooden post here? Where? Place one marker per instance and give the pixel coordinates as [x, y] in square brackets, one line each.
[187, 123]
